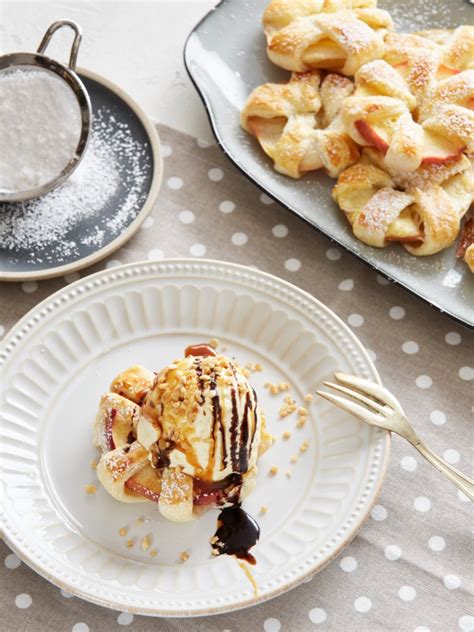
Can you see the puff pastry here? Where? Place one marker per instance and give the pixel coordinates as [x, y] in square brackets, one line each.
[286, 119]
[341, 41]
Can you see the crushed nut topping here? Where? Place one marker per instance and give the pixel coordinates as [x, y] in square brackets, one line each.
[286, 434]
[293, 459]
[123, 532]
[130, 543]
[146, 543]
[309, 397]
[304, 446]
[153, 553]
[184, 556]
[288, 473]
[90, 489]
[273, 470]
[263, 509]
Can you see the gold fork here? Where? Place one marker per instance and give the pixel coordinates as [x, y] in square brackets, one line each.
[375, 405]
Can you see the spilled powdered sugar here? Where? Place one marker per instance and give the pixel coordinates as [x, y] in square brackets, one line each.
[54, 227]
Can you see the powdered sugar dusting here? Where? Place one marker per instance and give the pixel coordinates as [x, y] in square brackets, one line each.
[58, 226]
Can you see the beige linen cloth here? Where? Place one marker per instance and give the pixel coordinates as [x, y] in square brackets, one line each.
[410, 568]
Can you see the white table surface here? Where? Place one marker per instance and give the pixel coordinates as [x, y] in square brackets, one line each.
[137, 45]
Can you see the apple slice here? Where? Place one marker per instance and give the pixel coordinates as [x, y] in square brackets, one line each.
[444, 72]
[438, 150]
[371, 136]
[146, 483]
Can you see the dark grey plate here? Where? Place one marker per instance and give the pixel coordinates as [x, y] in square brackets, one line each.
[225, 57]
[138, 169]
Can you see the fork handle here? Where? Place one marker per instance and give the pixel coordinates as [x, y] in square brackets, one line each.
[462, 482]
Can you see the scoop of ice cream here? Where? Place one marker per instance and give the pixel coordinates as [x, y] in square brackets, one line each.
[202, 416]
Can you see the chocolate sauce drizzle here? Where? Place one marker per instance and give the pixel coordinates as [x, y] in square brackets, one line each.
[236, 534]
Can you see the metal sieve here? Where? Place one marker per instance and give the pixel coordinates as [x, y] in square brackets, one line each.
[67, 74]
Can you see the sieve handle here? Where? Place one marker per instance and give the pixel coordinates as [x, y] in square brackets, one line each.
[75, 45]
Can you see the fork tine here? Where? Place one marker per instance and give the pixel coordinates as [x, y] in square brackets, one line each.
[354, 409]
[369, 388]
[374, 406]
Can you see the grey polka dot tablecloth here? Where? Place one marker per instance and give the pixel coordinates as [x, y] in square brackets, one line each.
[410, 568]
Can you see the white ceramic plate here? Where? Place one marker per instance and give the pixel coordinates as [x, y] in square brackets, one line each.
[61, 357]
[225, 69]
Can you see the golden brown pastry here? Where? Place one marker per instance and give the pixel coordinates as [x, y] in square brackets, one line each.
[341, 41]
[297, 123]
[422, 209]
[466, 245]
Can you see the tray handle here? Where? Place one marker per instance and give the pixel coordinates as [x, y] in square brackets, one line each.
[75, 45]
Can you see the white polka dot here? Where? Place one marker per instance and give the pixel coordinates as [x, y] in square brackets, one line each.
[174, 183]
[422, 503]
[379, 513]
[186, 217]
[148, 223]
[227, 206]
[451, 581]
[453, 338]
[466, 623]
[272, 625]
[436, 543]
[410, 347]
[362, 604]
[317, 615]
[408, 463]
[265, 199]
[348, 564]
[113, 263]
[125, 618]
[382, 280]
[372, 355]
[462, 497]
[280, 230]
[166, 151]
[355, 320]
[465, 373]
[424, 381]
[438, 418]
[156, 253]
[80, 627]
[397, 312]
[2, 331]
[293, 265]
[23, 601]
[333, 254]
[346, 285]
[407, 593]
[451, 456]
[198, 250]
[29, 286]
[421, 628]
[239, 239]
[73, 276]
[12, 561]
[203, 144]
[393, 552]
[215, 174]
[65, 594]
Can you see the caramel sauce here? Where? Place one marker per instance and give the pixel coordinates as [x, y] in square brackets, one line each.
[201, 350]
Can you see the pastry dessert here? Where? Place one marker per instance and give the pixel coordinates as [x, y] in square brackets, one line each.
[390, 115]
[186, 438]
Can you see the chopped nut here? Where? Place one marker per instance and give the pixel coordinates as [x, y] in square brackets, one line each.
[139, 521]
[245, 372]
[213, 539]
[309, 397]
[263, 509]
[123, 532]
[146, 543]
[286, 434]
[130, 543]
[274, 389]
[93, 465]
[303, 412]
[273, 470]
[214, 343]
[288, 473]
[90, 489]
[153, 553]
[184, 555]
[284, 386]
[258, 367]
[293, 459]
[301, 422]
[304, 446]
